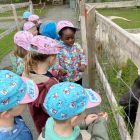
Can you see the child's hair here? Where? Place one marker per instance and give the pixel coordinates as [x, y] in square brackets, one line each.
[61, 31]
[20, 52]
[60, 121]
[32, 59]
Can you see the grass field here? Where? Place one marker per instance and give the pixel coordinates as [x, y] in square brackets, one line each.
[6, 45]
[132, 14]
[1, 30]
[111, 125]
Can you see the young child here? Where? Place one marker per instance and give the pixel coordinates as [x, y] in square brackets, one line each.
[71, 57]
[48, 29]
[30, 27]
[66, 103]
[26, 15]
[22, 40]
[15, 93]
[35, 19]
[38, 61]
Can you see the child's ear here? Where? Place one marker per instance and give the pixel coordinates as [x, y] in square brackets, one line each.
[5, 115]
[74, 120]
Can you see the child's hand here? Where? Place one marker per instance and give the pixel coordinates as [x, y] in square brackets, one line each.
[103, 114]
[62, 72]
[82, 68]
[90, 118]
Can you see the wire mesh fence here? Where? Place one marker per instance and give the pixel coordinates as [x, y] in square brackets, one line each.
[120, 72]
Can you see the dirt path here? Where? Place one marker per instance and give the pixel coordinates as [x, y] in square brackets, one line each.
[54, 13]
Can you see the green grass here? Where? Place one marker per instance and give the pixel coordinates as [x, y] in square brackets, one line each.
[2, 30]
[6, 45]
[105, 107]
[132, 14]
[129, 74]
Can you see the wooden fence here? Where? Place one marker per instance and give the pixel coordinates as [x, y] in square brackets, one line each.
[118, 4]
[13, 7]
[90, 19]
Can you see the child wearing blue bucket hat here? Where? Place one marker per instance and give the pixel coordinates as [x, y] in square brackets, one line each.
[66, 103]
[26, 15]
[15, 93]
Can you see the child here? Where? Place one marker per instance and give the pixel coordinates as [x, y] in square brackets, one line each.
[48, 29]
[38, 62]
[71, 56]
[35, 19]
[66, 103]
[26, 15]
[30, 27]
[22, 40]
[15, 93]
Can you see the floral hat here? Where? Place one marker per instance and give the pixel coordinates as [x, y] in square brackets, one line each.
[15, 90]
[67, 99]
[26, 14]
[33, 18]
[44, 45]
[23, 39]
[64, 23]
[28, 25]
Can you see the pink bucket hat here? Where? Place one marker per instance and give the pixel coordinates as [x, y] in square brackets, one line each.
[44, 45]
[64, 23]
[28, 25]
[33, 18]
[23, 39]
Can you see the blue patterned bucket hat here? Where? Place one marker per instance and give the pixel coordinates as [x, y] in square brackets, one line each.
[15, 90]
[26, 14]
[67, 99]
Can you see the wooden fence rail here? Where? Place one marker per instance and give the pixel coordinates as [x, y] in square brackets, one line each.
[115, 4]
[13, 7]
[121, 37]
[7, 7]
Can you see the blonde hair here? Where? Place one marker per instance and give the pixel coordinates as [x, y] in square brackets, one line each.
[31, 61]
[20, 52]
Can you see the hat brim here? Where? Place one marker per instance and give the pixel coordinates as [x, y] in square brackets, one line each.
[94, 98]
[76, 29]
[31, 93]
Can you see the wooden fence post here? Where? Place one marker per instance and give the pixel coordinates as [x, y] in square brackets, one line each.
[31, 7]
[91, 30]
[84, 38]
[15, 16]
[136, 133]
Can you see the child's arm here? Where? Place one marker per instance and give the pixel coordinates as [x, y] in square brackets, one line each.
[82, 58]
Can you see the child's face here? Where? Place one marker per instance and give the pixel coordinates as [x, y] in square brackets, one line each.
[33, 30]
[36, 22]
[68, 37]
[18, 110]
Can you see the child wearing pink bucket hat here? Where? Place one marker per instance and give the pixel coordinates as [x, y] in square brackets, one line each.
[41, 57]
[22, 40]
[36, 20]
[71, 56]
[15, 93]
[30, 27]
